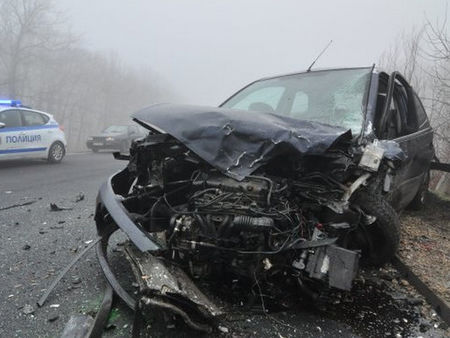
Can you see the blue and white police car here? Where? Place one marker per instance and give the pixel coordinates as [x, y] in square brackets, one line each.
[26, 133]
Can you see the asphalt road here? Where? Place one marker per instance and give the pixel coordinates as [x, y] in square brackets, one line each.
[37, 243]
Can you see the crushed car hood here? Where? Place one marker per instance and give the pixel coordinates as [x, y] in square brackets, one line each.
[238, 142]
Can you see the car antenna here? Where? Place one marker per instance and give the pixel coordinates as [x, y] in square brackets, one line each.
[318, 56]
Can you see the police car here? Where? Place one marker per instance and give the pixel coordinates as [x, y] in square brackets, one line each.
[26, 133]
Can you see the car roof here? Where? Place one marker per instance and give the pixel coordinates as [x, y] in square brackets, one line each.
[3, 108]
[317, 70]
[122, 125]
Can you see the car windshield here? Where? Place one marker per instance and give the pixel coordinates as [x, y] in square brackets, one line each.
[116, 130]
[334, 97]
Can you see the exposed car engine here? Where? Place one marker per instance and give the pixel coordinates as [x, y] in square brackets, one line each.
[288, 213]
[290, 225]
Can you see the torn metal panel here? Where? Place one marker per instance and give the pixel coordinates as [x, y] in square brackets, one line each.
[63, 272]
[165, 279]
[156, 304]
[17, 205]
[101, 250]
[239, 142]
[111, 201]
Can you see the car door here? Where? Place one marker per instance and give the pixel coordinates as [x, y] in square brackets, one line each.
[9, 134]
[37, 137]
[402, 123]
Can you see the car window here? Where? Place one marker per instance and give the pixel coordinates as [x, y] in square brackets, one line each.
[300, 103]
[33, 119]
[405, 109]
[383, 81]
[265, 99]
[11, 118]
[335, 97]
[402, 117]
[393, 126]
[116, 130]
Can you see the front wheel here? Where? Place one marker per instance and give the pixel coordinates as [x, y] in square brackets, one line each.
[379, 240]
[56, 152]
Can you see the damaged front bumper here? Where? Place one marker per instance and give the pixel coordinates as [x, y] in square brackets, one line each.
[163, 286]
[111, 202]
[166, 286]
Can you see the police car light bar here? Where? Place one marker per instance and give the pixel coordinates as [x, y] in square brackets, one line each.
[10, 103]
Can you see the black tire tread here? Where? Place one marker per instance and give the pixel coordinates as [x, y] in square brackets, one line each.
[375, 205]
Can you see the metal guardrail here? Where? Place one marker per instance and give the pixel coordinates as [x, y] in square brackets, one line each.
[440, 166]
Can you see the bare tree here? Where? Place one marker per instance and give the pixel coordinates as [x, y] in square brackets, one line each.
[438, 52]
[423, 56]
[28, 28]
[404, 55]
[45, 66]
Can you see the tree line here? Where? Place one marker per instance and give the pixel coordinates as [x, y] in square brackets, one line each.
[43, 64]
[422, 55]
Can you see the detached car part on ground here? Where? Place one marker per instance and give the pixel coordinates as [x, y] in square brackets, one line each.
[274, 193]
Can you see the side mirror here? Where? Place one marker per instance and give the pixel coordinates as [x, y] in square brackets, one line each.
[2, 125]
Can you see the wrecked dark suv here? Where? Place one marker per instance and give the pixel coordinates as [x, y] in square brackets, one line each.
[291, 184]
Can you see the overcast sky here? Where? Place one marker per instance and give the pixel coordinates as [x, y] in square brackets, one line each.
[208, 49]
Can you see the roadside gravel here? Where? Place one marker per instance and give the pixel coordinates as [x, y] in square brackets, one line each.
[425, 243]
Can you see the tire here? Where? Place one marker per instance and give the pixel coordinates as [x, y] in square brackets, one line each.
[419, 200]
[56, 152]
[94, 150]
[378, 241]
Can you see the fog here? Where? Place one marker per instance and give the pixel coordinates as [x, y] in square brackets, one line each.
[93, 63]
[208, 49]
